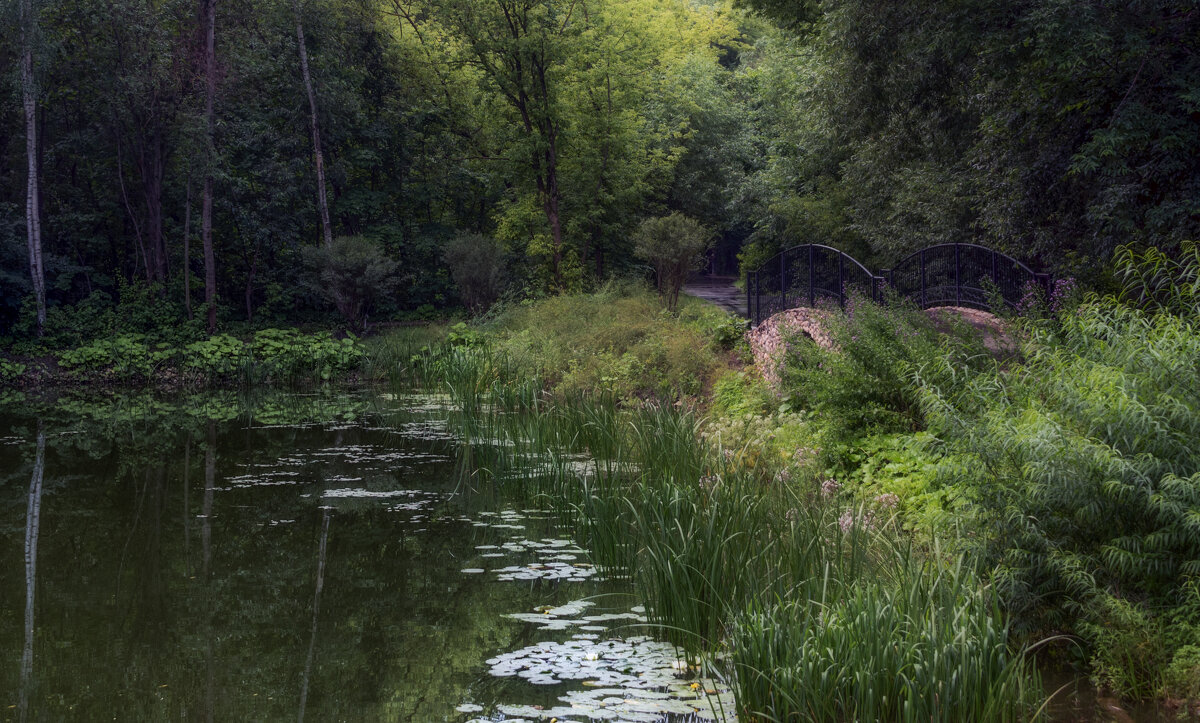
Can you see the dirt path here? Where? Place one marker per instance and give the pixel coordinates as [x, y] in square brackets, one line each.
[718, 290]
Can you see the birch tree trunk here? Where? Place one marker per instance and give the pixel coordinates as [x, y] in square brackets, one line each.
[33, 526]
[33, 222]
[210, 80]
[318, 156]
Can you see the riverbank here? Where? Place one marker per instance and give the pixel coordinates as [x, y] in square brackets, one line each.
[1013, 465]
[900, 432]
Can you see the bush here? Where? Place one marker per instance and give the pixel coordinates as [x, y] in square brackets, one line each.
[128, 357]
[351, 274]
[863, 381]
[477, 266]
[286, 354]
[675, 246]
[1085, 464]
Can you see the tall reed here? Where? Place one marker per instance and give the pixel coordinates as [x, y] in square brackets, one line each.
[817, 613]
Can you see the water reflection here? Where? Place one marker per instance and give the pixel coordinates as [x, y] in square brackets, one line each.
[33, 517]
[297, 557]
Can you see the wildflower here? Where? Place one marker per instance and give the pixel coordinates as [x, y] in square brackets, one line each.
[848, 521]
[792, 515]
[887, 500]
[829, 488]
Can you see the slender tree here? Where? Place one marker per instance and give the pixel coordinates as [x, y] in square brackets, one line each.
[209, 15]
[33, 223]
[318, 156]
[33, 526]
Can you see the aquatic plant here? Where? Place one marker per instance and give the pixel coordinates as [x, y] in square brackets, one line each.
[745, 571]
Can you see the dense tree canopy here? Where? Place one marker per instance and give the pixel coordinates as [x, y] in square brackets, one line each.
[1054, 130]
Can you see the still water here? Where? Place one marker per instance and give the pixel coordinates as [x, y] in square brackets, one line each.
[323, 557]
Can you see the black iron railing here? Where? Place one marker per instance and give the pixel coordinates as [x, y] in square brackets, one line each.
[943, 275]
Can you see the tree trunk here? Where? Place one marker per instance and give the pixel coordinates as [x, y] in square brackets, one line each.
[210, 73]
[318, 157]
[33, 516]
[33, 223]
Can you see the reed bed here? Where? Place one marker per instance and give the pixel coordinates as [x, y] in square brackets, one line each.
[816, 613]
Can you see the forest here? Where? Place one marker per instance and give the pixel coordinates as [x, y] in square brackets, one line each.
[310, 222]
[207, 162]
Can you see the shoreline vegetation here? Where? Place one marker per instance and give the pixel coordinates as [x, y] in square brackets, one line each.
[902, 526]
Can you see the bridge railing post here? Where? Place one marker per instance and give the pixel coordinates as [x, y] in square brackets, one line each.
[749, 308]
[783, 281]
[922, 278]
[757, 300]
[812, 292]
[957, 274]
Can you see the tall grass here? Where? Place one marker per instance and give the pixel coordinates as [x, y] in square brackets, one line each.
[817, 613]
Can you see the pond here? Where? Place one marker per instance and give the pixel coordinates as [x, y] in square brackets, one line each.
[325, 556]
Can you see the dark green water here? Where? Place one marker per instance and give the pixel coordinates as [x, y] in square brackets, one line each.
[297, 557]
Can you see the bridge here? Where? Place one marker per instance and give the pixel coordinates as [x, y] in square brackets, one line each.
[957, 274]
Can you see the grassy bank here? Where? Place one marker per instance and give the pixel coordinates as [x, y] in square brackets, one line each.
[904, 474]
[816, 608]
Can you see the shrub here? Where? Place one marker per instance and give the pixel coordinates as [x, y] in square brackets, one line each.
[863, 380]
[675, 246]
[127, 357]
[286, 354]
[1085, 465]
[10, 371]
[351, 274]
[477, 266]
[216, 357]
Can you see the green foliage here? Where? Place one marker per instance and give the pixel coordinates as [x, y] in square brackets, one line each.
[820, 615]
[272, 355]
[1084, 467]
[462, 335]
[1182, 677]
[1131, 649]
[11, 371]
[863, 382]
[352, 274]
[619, 340]
[674, 245]
[926, 646]
[736, 393]
[217, 357]
[899, 474]
[128, 358]
[1152, 279]
[477, 266]
[287, 354]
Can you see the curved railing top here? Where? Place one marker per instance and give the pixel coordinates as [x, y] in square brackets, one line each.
[917, 254]
[937, 275]
[786, 251]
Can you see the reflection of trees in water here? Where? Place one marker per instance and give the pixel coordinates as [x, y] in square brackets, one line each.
[33, 516]
[216, 605]
[316, 609]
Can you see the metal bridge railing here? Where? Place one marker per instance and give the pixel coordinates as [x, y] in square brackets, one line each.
[943, 275]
